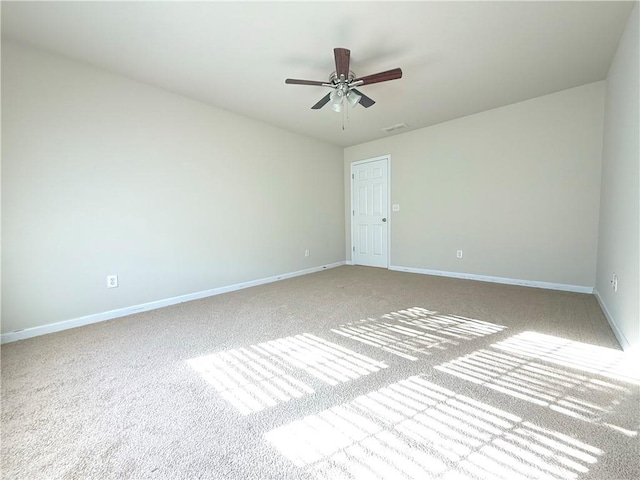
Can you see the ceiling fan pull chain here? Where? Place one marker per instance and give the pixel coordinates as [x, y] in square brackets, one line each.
[343, 119]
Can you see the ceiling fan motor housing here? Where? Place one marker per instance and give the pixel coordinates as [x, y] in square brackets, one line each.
[341, 84]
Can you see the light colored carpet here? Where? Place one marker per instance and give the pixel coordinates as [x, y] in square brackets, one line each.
[351, 373]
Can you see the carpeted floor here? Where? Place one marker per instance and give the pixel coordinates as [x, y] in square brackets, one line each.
[352, 372]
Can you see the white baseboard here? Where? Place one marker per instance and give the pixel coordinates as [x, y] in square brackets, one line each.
[506, 281]
[121, 312]
[622, 340]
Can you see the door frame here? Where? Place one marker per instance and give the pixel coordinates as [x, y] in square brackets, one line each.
[387, 158]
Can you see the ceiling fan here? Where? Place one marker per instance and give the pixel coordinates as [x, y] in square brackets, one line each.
[343, 82]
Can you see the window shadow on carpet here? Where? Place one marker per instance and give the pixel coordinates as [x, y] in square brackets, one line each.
[587, 382]
[264, 375]
[417, 429]
[415, 331]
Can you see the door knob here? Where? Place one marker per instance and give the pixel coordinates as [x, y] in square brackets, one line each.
[384, 219]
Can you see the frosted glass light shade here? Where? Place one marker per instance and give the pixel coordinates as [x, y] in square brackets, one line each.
[336, 101]
[353, 98]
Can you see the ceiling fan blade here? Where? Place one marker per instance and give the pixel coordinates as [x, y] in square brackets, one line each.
[380, 77]
[323, 101]
[365, 101]
[342, 61]
[293, 81]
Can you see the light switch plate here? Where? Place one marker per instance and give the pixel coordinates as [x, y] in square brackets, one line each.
[395, 207]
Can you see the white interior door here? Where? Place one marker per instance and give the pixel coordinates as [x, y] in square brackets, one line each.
[369, 225]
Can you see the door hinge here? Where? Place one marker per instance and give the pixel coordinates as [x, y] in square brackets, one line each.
[354, 249]
[353, 212]
[353, 176]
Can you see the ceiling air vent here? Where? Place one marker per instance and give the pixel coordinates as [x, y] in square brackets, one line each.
[397, 126]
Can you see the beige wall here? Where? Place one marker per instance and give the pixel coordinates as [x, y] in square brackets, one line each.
[515, 188]
[619, 236]
[103, 175]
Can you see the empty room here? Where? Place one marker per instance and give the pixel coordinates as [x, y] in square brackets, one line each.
[320, 240]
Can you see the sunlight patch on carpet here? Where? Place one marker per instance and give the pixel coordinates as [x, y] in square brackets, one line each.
[586, 382]
[266, 374]
[415, 331]
[416, 429]
[607, 362]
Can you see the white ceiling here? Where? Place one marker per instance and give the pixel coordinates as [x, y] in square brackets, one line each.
[458, 58]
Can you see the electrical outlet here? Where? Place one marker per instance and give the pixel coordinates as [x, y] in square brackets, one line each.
[459, 254]
[112, 281]
[307, 253]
